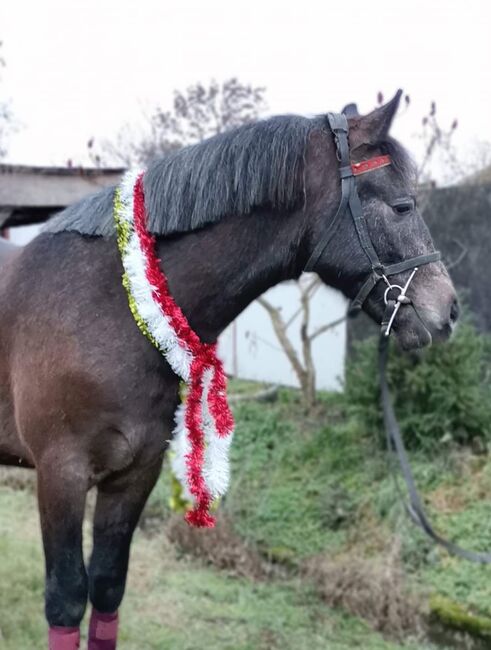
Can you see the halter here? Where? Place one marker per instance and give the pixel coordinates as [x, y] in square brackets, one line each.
[395, 296]
[350, 201]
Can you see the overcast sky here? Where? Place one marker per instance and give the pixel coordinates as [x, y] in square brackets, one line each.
[80, 69]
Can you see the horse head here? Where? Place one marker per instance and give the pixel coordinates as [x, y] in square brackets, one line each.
[392, 223]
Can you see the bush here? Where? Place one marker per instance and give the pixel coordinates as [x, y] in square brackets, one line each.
[443, 392]
[220, 547]
[374, 589]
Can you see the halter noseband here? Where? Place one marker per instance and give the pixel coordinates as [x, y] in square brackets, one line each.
[351, 201]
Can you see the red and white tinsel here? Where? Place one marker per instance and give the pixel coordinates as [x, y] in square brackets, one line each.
[204, 423]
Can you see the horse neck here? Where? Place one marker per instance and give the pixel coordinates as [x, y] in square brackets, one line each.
[214, 273]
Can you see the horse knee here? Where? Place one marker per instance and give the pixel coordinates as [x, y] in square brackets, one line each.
[66, 598]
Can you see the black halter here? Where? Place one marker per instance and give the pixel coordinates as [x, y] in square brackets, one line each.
[350, 201]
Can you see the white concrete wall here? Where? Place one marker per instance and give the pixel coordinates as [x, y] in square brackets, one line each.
[250, 349]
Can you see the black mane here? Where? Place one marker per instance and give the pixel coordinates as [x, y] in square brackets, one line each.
[259, 164]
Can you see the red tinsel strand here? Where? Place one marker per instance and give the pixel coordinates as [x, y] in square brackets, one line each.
[199, 515]
[217, 401]
[157, 279]
[203, 357]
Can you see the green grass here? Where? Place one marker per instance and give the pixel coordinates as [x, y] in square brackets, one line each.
[300, 487]
[172, 603]
[303, 487]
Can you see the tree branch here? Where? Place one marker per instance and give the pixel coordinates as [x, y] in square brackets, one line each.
[280, 331]
[309, 386]
[328, 326]
[462, 254]
[311, 289]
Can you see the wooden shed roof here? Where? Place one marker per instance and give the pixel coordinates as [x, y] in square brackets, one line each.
[32, 194]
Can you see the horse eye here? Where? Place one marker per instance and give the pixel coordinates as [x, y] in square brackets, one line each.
[403, 207]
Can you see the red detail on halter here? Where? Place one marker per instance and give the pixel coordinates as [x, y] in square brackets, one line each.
[204, 356]
[369, 165]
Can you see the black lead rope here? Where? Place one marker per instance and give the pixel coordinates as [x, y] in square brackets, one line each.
[414, 505]
[350, 204]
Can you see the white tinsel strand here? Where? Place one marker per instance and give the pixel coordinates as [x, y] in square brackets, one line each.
[158, 324]
[216, 468]
[216, 462]
[180, 448]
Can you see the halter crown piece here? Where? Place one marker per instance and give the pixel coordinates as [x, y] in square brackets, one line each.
[204, 422]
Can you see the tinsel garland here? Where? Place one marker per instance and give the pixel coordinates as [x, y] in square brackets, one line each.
[204, 423]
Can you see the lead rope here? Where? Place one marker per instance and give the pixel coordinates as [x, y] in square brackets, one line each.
[395, 444]
[350, 203]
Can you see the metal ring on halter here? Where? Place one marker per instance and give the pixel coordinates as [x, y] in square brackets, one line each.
[392, 286]
[401, 299]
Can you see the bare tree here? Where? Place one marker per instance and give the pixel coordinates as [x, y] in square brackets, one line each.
[197, 113]
[439, 148]
[302, 361]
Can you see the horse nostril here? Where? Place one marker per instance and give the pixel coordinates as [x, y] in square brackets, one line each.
[454, 311]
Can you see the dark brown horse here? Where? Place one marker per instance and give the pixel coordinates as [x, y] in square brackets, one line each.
[87, 400]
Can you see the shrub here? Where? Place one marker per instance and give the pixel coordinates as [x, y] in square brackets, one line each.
[220, 547]
[374, 589]
[443, 392]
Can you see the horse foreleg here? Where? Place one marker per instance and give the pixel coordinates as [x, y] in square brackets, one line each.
[120, 501]
[62, 489]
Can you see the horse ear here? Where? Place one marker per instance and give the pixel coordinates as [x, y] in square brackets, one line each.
[350, 110]
[374, 127]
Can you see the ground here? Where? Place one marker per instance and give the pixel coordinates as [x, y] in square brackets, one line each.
[307, 491]
[172, 602]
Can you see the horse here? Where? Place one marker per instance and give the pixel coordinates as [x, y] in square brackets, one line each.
[88, 401]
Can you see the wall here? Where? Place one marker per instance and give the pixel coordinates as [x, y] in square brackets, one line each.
[251, 350]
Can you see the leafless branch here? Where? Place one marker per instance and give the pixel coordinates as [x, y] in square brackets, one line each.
[311, 289]
[326, 327]
[309, 385]
[460, 257]
[280, 331]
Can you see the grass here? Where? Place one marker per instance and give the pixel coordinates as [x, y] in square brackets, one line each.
[172, 603]
[301, 488]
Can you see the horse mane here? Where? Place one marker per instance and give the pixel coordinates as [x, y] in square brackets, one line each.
[256, 165]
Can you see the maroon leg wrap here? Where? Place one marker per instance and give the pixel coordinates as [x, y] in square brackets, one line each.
[103, 631]
[64, 638]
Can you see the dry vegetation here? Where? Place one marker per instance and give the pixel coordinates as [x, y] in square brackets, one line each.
[219, 547]
[375, 589]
